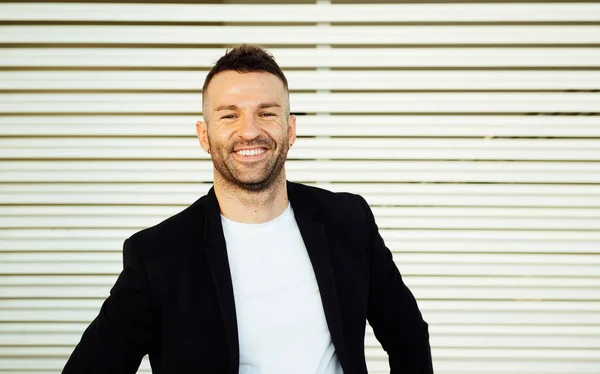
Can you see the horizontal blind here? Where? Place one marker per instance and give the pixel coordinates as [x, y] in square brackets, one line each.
[471, 129]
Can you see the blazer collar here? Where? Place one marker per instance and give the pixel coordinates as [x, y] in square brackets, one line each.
[216, 255]
[313, 233]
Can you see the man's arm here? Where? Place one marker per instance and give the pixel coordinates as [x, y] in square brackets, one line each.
[392, 310]
[126, 327]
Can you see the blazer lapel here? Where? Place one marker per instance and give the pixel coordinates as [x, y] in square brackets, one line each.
[313, 233]
[216, 254]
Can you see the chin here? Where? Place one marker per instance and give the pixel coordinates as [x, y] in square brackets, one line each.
[257, 184]
[254, 186]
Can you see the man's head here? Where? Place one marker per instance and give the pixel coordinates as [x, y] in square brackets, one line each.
[247, 125]
[245, 58]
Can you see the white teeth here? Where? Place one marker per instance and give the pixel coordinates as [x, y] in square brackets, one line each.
[250, 152]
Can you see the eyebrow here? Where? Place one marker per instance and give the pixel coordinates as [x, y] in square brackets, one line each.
[235, 107]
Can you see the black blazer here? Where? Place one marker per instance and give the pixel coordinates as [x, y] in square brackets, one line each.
[174, 298]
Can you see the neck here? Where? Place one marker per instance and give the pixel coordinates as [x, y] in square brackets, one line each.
[240, 205]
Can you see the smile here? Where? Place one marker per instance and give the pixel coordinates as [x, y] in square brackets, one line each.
[250, 152]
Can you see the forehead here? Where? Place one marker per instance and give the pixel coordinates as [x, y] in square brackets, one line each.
[232, 87]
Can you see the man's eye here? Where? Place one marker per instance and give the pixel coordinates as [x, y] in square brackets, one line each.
[267, 114]
[228, 116]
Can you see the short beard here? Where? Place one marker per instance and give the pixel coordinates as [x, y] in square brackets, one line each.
[263, 185]
[275, 171]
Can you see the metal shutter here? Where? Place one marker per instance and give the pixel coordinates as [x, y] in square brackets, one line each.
[472, 129]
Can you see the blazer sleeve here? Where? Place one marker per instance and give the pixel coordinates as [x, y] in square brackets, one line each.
[125, 328]
[392, 310]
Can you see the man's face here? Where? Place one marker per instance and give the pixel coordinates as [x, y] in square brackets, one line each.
[247, 128]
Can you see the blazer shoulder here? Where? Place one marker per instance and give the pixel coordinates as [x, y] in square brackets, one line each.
[175, 227]
[340, 206]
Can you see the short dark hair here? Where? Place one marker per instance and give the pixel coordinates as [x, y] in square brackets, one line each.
[246, 58]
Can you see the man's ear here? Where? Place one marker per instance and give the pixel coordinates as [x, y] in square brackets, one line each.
[292, 128]
[202, 132]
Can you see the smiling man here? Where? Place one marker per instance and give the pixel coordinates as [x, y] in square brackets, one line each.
[261, 275]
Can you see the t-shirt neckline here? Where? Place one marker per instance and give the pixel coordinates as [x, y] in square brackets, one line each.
[285, 213]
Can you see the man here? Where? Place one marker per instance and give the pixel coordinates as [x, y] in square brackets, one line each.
[261, 275]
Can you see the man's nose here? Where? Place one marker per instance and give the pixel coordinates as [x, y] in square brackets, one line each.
[248, 128]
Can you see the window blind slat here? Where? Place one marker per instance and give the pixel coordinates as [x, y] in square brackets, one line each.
[256, 13]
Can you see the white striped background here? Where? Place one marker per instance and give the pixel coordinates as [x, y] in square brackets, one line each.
[471, 128]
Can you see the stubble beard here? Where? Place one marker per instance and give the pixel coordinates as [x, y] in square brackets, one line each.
[228, 168]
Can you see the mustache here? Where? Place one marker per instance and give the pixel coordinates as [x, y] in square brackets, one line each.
[260, 141]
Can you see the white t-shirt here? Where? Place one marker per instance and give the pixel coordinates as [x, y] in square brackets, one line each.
[281, 323]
